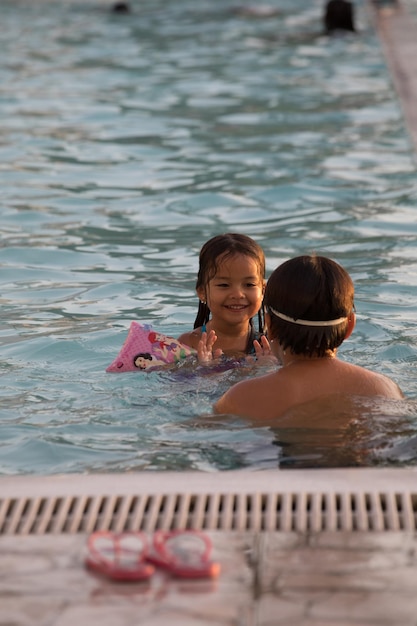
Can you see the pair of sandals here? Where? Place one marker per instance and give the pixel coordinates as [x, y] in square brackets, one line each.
[129, 556]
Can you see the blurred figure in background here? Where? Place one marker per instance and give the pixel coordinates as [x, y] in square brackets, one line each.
[120, 7]
[339, 16]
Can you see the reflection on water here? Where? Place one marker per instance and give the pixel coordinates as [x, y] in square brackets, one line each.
[347, 432]
[130, 140]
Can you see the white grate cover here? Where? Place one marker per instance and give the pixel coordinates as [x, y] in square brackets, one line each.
[257, 512]
[261, 501]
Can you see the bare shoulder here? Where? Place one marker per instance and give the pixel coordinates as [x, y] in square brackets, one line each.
[375, 383]
[389, 387]
[191, 338]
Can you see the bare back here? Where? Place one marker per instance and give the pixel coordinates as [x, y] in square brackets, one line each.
[269, 397]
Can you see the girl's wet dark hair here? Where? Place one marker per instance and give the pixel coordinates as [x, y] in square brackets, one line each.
[312, 288]
[214, 252]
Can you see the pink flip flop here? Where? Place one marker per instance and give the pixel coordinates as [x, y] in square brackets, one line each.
[184, 553]
[120, 557]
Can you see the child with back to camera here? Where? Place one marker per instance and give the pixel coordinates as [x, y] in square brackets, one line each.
[230, 286]
[309, 312]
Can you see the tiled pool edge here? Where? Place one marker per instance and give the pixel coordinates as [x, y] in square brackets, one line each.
[397, 32]
[242, 481]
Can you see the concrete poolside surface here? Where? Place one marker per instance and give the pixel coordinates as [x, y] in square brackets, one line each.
[266, 579]
[304, 547]
[396, 24]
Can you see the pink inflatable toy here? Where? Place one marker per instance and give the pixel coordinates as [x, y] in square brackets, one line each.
[145, 349]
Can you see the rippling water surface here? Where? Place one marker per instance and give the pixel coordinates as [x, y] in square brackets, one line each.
[129, 140]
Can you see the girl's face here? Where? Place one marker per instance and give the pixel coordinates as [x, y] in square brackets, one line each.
[235, 293]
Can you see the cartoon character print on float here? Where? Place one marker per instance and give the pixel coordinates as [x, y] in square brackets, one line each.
[146, 350]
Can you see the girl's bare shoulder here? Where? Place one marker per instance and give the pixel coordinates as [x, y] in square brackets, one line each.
[191, 338]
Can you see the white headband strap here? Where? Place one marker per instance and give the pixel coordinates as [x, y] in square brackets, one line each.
[339, 320]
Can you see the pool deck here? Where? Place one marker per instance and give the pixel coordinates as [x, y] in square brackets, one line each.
[311, 572]
[266, 579]
[396, 25]
[301, 576]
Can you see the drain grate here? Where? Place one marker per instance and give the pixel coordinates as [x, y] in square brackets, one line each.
[300, 512]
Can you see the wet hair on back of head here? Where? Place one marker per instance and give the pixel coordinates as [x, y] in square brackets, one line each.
[312, 288]
[215, 251]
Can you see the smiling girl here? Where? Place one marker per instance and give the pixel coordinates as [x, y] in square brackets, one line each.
[230, 286]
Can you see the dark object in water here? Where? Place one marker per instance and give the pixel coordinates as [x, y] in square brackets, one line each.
[339, 16]
[120, 7]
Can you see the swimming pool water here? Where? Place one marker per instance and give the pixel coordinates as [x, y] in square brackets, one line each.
[127, 142]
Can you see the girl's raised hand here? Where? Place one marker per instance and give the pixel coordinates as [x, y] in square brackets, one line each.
[205, 352]
[263, 351]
